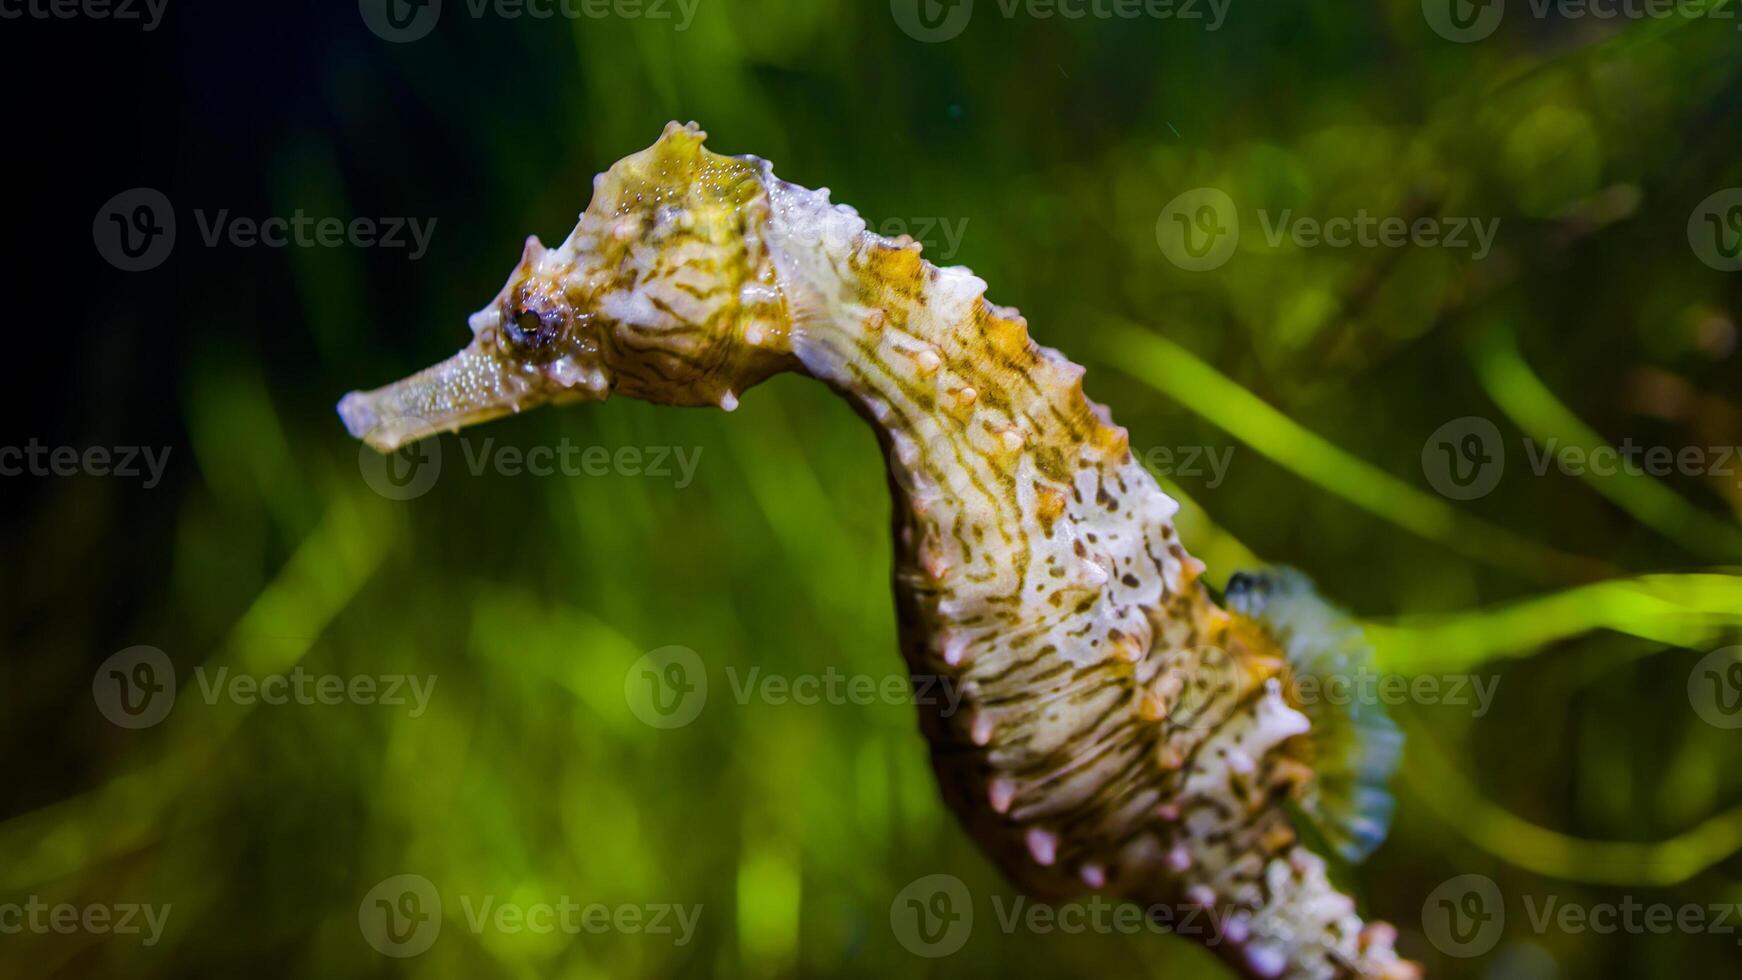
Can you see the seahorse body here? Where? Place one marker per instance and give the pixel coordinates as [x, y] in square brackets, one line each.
[1119, 731]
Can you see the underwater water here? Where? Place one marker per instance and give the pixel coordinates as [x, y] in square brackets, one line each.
[1433, 300]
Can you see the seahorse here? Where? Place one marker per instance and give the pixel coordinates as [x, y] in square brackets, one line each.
[1121, 730]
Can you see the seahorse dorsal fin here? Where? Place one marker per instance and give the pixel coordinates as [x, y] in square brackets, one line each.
[1356, 744]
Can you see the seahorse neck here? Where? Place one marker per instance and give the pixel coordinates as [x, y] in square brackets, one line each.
[916, 346]
[1025, 502]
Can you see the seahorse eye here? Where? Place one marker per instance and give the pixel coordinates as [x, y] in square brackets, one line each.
[533, 329]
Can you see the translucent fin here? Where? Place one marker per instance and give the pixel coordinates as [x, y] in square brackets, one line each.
[1356, 745]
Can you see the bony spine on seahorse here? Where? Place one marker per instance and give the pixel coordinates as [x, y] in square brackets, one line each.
[1120, 730]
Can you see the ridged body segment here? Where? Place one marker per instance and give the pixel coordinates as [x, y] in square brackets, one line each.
[1119, 731]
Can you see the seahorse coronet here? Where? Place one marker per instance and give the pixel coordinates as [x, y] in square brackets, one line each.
[1120, 732]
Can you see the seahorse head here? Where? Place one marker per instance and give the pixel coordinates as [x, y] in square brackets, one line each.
[664, 291]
